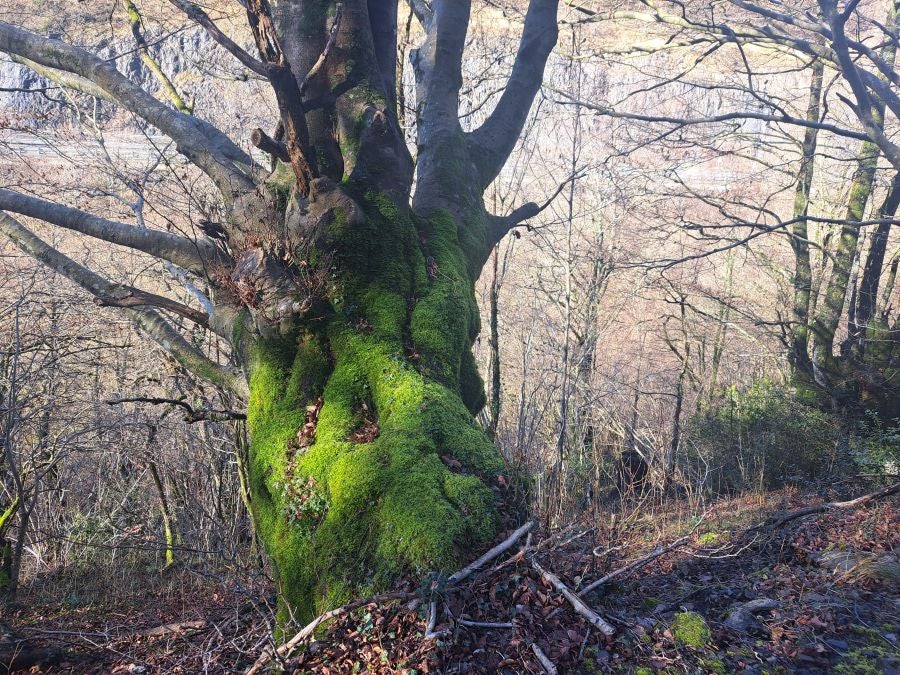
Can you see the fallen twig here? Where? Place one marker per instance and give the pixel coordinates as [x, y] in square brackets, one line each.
[577, 603]
[430, 633]
[484, 624]
[546, 663]
[285, 650]
[636, 564]
[490, 555]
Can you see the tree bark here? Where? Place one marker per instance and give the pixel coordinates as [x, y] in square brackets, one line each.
[800, 359]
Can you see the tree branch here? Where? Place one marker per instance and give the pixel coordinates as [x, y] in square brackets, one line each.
[500, 225]
[287, 93]
[269, 145]
[126, 296]
[193, 255]
[64, 79]
[715, 119]
[438, 63]
[191, 414]
[199, 141]
[496, 138]
[199, 16]
[148, 320]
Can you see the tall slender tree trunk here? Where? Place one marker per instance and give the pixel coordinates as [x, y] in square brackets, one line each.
[799, 354]
[494, 344]
[828, 316]
[868, 291]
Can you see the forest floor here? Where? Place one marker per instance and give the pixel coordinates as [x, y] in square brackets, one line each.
[820, 593]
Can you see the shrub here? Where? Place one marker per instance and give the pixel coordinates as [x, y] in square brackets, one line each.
[762, 437]
[875, 447]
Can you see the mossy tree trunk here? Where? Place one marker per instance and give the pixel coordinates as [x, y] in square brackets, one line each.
[365, 459]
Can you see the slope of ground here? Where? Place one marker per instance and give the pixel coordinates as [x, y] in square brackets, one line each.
[816, 594]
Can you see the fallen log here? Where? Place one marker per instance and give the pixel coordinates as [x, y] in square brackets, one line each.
[788, 516]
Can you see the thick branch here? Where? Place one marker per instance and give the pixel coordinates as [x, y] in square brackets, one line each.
[269, 145]
[126, 296]
[64, 79]
[194, 256]
[438, 64]
[198, 15]
[287, 93]
[497, 137]
[199, 141]
[148, 320]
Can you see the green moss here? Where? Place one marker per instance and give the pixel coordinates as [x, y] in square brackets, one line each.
[446, 316]
[691, 630]
[864, 661]
[712, 665]
[708, 538]
[370, 511]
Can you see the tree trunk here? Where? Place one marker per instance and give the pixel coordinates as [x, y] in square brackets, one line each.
[365, 459]
[494, 344]
[348, 300]
[828, 317]
[868, 291]
[800, 360]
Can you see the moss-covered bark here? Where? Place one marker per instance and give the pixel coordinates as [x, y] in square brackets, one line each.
[385, 376]
[6, 553]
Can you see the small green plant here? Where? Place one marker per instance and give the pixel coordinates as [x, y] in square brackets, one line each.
[875, 447]
[708, 538]
[303, 502]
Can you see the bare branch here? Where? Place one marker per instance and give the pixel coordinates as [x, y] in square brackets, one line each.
[714, 119]
[500, 225]
[126, 296]
[193, 255]
[199, 141]
[148, 320]
[323, 57]
[64, 79]
[198, 15]
[269, 145]
[191, 414]
[287, 94]
[497, 137]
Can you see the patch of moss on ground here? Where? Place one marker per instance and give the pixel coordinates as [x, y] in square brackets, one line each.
[712, 665]
[690, 629]
[864, 661]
